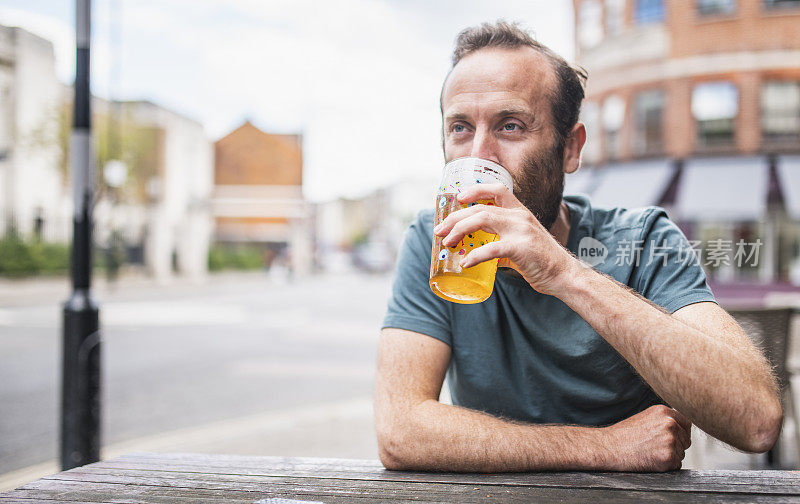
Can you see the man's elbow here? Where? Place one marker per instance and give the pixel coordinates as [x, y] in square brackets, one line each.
[390, 458]
[765, 430]
[393, 447]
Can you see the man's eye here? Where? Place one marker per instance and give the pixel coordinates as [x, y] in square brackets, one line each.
[511, 126]
[458, 128]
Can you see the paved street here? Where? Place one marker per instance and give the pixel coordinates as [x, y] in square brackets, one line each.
[245, 363]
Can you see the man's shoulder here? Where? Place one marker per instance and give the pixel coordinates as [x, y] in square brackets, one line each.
[425, 217]
[423, 223]
[619, 222]
[419, 233]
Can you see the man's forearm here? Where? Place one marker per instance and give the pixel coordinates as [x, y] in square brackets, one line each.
[433, 436]
[724, 391]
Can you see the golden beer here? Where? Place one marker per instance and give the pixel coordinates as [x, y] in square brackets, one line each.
[448, 279]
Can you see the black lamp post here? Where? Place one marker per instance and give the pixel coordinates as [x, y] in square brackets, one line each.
[80, 392]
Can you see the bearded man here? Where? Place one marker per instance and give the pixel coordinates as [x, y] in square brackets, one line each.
[564, 366]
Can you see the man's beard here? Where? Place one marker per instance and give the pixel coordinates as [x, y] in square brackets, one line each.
[540, 184]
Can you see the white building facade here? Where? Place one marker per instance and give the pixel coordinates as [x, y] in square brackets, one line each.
[178, 213]
[172, 224]
[33, 192]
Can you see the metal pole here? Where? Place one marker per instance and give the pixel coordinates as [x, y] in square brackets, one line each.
[80, 392]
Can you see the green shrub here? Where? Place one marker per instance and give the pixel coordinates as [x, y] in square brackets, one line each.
[216, 258]
[52, 258]
[248, 258]
[241, 257]
[19, 258]
[16, 257]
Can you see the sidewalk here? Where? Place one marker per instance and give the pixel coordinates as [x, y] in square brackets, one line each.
[56, 289]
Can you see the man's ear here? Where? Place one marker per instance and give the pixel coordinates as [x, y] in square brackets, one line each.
[573, 147]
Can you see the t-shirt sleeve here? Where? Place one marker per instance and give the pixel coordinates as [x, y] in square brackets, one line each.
[412, 305]
[669, 272]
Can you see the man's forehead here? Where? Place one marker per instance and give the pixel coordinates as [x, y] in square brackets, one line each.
[494, 74]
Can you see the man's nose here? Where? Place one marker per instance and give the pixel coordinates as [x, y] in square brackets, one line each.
[484, 146]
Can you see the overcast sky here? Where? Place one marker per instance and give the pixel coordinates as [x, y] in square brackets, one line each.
[359, 78]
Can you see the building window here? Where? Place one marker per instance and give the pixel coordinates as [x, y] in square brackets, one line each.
[590, 117]
[648, 109]
[713, 7]
[590, 23]
[649, 11]
[779, 4]
[5, 141]
[613, 118]
[780, 111]
[714, 107]
[615, 16]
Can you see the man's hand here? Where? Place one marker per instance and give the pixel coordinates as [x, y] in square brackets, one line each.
[653, 440]
[523, 243]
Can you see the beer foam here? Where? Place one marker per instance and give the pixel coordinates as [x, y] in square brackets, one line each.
[464, 172]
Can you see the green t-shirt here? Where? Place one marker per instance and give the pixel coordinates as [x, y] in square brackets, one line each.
[527, 356]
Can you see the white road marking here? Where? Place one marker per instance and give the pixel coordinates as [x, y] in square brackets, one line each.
[214, 433]
[134, 314]
[319, 368]
[170, 313]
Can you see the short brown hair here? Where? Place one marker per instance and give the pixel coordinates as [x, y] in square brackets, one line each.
[569, 94]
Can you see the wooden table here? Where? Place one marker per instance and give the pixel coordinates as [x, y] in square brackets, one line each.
[191, 478]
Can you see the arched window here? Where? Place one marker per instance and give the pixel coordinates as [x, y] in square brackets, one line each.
[714, 7]
[613, 119]
[648, 129]
[590, 23]
[649, 11]
[714, 107]
[615, 16]
[590, 117]
[780, 112]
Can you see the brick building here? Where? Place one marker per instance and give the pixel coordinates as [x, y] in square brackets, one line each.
[258, 193]
[694, 105]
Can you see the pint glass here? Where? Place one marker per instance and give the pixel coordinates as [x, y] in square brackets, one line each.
[448, 280]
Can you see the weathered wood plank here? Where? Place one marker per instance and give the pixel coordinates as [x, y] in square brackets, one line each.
[31, 500]
[324, 464]
[298, 462]
[756, 482]
[338, 466]
[109, 474]
[72, 491]
[146, 477]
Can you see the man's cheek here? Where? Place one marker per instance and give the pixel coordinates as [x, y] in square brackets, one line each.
[452, 151]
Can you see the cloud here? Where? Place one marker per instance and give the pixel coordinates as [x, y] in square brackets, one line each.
[353, 78]
[359, 78]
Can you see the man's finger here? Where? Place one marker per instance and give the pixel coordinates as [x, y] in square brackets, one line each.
[682, 420]
[479, 221]
[451, 220]
[501, 195]
[684, 437]
[493, 250]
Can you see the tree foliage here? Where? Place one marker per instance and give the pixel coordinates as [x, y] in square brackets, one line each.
[116, 136]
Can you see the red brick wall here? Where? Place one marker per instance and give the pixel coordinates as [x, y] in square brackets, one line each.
[750, 28]
[249, 156]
